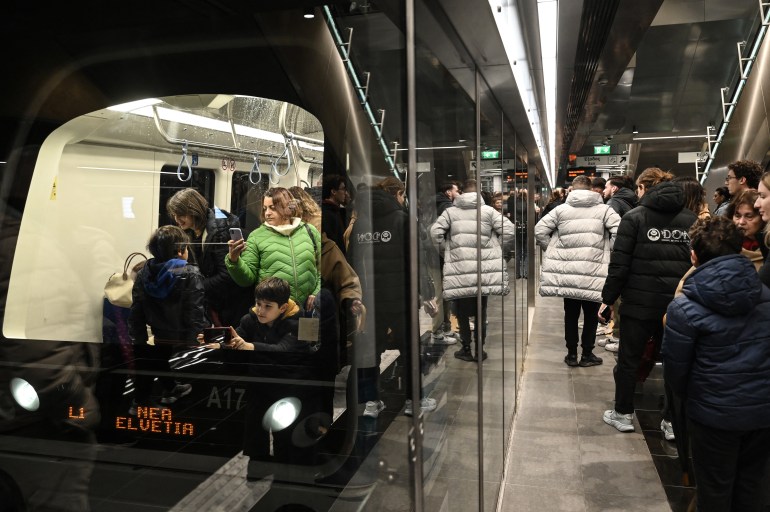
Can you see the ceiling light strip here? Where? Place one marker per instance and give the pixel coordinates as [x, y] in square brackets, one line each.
[506, 16]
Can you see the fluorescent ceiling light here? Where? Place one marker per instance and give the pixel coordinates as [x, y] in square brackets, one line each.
[548, 18]
[506, 15]
[672, 137]
[135, 105]
[177, 116]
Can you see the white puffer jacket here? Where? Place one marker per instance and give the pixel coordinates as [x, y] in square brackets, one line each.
[456, 230]
[577, 237]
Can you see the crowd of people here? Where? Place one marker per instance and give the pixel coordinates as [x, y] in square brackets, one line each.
[691, 286]
[688, 283]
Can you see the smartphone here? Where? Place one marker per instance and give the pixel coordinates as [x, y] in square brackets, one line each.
[605, 315]
[217, 335]
[236, 234]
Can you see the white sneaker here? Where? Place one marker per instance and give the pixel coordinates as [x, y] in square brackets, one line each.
[601, 342]
[668, 430]
[622, 422]
[374, 408]
[426, 405]
[602, 330]
[442, 339]
[613, 346]
[451, 334]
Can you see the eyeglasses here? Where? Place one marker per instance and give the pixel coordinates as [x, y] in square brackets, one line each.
[727, 180]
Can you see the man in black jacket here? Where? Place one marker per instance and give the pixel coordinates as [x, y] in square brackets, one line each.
[620, 195]
[333, 217]
[650, 256]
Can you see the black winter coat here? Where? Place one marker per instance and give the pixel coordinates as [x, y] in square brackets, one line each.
[222, 294]
[651, 253]
[378, 253]
[715, 348]
[169, 298]
[623, 201]
[442, 203]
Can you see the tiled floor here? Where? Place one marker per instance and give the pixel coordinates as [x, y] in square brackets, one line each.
[563, 456]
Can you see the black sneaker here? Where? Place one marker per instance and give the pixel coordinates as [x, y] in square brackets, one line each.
[571, 360]
[590, 360]
[483, 356]
[464, 354]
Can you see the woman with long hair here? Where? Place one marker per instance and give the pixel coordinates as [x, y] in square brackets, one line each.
[282, 246]
[208, 228]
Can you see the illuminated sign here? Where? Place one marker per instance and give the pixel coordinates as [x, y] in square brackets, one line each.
[490, 155]
[580, 171]
[81, 415]
[602, 150]
[157, 420]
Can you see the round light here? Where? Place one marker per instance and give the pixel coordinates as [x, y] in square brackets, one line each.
[24, 394]
[281, 414]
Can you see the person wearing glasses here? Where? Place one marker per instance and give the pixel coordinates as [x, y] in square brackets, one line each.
[742, 175]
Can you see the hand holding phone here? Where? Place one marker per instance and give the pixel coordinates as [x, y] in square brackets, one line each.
[236, 234]
[219, 335]
[605, 314]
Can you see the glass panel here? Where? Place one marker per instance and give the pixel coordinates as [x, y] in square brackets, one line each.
[495, 237]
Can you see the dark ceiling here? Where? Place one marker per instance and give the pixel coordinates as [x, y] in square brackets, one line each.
[660, 73]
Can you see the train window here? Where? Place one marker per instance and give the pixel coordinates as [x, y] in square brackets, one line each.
[202, 180]
[246, 200]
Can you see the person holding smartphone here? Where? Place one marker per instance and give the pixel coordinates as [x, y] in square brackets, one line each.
[210, 230]
[283, 246]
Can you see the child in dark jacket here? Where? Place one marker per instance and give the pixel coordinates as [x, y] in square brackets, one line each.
[716, 355]
[167, 296]
[285, 378]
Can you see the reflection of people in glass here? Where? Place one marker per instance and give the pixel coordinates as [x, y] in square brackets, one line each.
[271, 331]
[378, 253]
[283, 246]
[167, 296]
[226, 302]
[457, 228]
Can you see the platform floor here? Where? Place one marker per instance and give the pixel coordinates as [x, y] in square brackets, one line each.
[563, 457]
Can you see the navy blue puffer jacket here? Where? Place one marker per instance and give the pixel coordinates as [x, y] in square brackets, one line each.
[716, 345]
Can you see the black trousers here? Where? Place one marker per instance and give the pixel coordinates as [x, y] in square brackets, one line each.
[572, 309]
[729, 467]
[467, 308]
[634, 334]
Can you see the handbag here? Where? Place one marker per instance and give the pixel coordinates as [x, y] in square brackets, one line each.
[119, 286]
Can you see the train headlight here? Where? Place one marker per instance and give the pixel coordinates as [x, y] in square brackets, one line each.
[24, 394]
[281, 414]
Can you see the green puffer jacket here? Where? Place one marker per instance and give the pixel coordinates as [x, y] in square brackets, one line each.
[281, 251]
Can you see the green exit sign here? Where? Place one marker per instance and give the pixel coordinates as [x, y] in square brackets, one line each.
[490, 155]
[601, 150]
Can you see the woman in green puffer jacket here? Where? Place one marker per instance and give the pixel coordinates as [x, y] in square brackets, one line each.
[283, 246]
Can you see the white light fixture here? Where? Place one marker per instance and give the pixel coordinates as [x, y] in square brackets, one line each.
[548, 18]
[511, 34]
[309, 14]
[281, 414]
[144, 108]
[24, 394]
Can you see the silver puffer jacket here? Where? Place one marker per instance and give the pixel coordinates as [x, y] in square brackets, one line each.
[577, 237]
[456, 231]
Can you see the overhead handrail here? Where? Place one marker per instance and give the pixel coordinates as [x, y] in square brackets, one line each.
[255, 168]
[186, 162]
[274, 166]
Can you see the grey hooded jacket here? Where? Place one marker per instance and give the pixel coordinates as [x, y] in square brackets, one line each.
[456, 230]
[577, 237]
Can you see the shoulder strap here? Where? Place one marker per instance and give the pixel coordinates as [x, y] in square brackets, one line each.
[312, 241]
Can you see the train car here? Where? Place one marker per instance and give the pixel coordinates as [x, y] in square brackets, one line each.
[98, 137]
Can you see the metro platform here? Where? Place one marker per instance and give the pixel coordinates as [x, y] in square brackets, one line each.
[563, 457]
